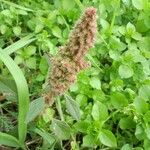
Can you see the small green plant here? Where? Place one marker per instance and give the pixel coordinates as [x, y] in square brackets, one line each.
[106, 108]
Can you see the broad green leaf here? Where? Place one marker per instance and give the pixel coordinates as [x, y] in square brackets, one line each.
[95, 83]
[147, 131]
[72, 107]
[130, 28]
[138, 4]
[126, 123]
[31, 63]
[118, 100]
[88, 140]
[8, 140]
[35, 108]
[125, 71]
[61, 129]
[68, 5]
[56, 31]
[126, 147]
[107, 138]
[48, 114]
[139, 132]
[17, 30]
[82, 126]
[23, 93]
[140, 105]
[146, 144]
[3, 29]
[30, 50]
[144, 92]
[99, 111]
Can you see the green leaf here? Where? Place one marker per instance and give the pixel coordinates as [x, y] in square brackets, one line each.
[31, 63]
[125, 71]
[19, 44]
[43, 66]
[138, 4]
[107, 138]
[61, 129]
[82, 126]
[126, 147]
[23, 93]
[126, 123]
[17, 6]
[48, 114]
[30, 50]
[130, 28]
[46, 136]
[17, 30]
[95, 83]
[3, 29]
[72, 107]
[35, 108]
[140, 105]
[88, 140]
[147, 131]
[8, 87]
[68, 5]
[118, 100]
[99, 111]
[139, 132]
[144, 92]
[8, 140]
[56, 31]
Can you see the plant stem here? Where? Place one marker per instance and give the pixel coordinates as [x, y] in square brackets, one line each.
[59, 108]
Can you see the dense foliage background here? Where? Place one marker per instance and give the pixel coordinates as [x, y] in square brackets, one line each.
[108, 107]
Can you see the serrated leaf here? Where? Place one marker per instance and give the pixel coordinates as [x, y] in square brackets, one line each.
[72, 107]
[107, 138]
[61, 129]
[35, 108]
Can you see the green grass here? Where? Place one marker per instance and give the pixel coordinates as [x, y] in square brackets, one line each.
[107, 108]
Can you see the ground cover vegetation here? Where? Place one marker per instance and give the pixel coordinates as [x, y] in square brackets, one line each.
[107, 108]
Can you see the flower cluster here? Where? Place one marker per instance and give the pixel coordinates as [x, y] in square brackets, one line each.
[70, 59]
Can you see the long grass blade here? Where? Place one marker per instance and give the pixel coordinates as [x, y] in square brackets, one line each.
[19, 44]
[23, 93]
[8, 140]
[16, 6]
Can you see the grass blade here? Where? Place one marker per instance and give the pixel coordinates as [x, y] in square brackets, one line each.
[23, 94]
[15, 5]
[8, 140]
[19, 44]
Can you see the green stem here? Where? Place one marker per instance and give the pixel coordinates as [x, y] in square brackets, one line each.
[59, 108]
